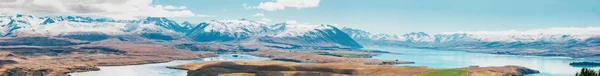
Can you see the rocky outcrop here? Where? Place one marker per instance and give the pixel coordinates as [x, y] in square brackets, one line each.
[279, 68]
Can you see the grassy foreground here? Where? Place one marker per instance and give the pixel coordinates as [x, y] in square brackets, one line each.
[444, 72]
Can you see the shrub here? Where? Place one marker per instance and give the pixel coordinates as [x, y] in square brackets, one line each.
[587, 72]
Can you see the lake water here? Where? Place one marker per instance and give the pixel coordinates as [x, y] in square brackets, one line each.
[159, 69]
[548, 66]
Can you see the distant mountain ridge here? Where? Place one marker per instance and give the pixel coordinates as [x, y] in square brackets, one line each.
[574, 42]
[445, 37]
[79, 27]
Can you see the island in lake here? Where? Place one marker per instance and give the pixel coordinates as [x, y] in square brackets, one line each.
[585, 64]
[280, 68]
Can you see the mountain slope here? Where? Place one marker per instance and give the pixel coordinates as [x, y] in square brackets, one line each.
[293, 34]
[311, 35]
[160, 28]
[86, 28]
[226, 30]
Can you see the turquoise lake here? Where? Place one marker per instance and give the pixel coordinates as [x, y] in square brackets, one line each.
[548, 66]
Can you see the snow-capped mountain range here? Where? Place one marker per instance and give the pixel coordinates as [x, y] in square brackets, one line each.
[288, 33]
[16, 25]
[282, 33]
[545, 35]
[570, 42]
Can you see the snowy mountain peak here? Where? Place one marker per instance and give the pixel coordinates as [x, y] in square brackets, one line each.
[418, 37]
[188, 25]
[165, 23]
[241, 25]
[364, 35]
[418, 34]
[11, 23]
[186, 22]
[156, 19]
[295, 29]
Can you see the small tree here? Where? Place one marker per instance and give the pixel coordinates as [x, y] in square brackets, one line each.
[587, 72]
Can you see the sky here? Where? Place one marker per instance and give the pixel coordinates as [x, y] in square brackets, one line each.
[379, 16]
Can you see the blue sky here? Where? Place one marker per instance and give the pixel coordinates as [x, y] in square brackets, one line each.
[402, 16]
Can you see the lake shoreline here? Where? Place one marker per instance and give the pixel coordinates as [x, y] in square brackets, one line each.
[488, 52]
[453, 59]
[304, 57]
[404, 53]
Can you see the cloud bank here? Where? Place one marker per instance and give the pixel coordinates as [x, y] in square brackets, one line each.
[118, 9]
[282, 4]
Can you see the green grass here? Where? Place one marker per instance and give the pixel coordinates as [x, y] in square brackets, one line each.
[444, 72]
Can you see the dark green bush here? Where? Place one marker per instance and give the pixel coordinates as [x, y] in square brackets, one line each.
[587, 72]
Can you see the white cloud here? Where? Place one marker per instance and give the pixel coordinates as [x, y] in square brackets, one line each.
[202, 15]
[259, 14]
[118, 9]
[282, 4]
[270, 6]
[246, 6]
[169, 7]
[266, 19]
